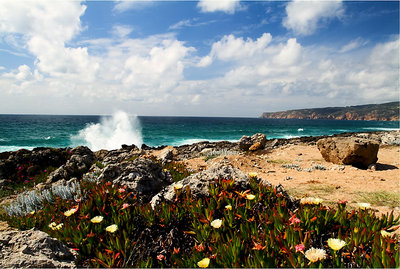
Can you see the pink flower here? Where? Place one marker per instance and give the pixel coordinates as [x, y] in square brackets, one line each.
[19, 168]
[160, 257]
[342, 202]
[300, 248]
[294, 220]
[121, 190]
[124, 206]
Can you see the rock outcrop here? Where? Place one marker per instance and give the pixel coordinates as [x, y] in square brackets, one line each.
[141, 176]
[79, 163]
[254, 142]
[34, 249]
[350, 150]
[199, 182]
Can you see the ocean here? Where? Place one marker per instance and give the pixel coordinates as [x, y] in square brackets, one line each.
[110, 132]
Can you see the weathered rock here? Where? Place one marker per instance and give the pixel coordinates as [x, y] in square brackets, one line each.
[256, 146]
[79, 163]
[34, 249]
[246, 141]
[349, 150]
[200, 182]
[166, 155]
[141, 176]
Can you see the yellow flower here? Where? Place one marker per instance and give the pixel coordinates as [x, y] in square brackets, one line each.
[178, 186]
[253, 174]
[59, 226]
[228, 207]
[70, 212]
[364, 206]
[335, 243]
[250, 196]
[32, 212]
[204, 263]
[315, 254]
[317, 201]
[97, 219]
[385, 234]
[216, 223]
[112, 228]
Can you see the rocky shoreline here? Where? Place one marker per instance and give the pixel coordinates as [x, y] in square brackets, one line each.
[140, 171]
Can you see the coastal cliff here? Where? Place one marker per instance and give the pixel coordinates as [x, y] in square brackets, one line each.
[375, 112]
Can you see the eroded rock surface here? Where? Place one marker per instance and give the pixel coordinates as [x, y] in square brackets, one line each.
[255, 142]
[34, 249]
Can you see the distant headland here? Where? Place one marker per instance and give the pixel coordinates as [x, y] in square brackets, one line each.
[376, 112]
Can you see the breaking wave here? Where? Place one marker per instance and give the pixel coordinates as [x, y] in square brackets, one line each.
[111, 132]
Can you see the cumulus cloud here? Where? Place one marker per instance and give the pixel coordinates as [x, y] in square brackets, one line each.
[304, 17]
[227, 6]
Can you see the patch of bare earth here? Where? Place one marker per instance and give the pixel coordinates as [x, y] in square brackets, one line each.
[292, 165]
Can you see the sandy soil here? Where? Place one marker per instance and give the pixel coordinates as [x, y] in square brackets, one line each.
[378, 187]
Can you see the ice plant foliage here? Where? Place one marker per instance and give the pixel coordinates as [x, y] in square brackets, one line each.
[222, 229]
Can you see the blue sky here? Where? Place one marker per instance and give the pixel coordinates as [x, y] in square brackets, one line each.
[196, 58]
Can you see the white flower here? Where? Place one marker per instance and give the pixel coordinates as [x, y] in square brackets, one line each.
[97, 219]
[310, 201]
[364, 206]
[315, 254]
[335, 243]
[216, 223]
[178, 186]
[112, 228]
[228, 207]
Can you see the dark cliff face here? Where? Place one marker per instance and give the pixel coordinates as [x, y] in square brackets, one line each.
[380, 112]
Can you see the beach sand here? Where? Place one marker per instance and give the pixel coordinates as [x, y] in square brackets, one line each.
[378, 187]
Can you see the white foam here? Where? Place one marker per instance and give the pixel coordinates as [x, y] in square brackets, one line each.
[47, 138]
[14, 148]
[300, 129]
[111, 132]
[381, 129]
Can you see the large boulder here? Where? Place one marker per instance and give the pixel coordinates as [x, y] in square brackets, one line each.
[349, 150]
[34, 249]
[79, 163]
[255, 142]
[141, 176]
[199, 182]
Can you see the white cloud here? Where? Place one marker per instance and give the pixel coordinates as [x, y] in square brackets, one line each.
[125, 5]
[227, 6]
[304, 17]
[354, 44]
[121, 31]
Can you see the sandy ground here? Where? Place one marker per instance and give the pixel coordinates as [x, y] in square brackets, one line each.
[380, 188]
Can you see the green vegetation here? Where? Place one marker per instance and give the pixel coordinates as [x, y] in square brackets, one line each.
[232, 227]
[380, 198]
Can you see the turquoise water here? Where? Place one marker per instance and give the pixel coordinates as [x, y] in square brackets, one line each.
[29, 131]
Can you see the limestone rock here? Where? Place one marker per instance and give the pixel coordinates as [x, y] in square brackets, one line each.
[246, 141]
[34, 249]
[79, 163]
[141, 176]
[200, 181]
[349, 150]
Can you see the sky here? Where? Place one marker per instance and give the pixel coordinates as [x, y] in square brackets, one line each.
[195, 58]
